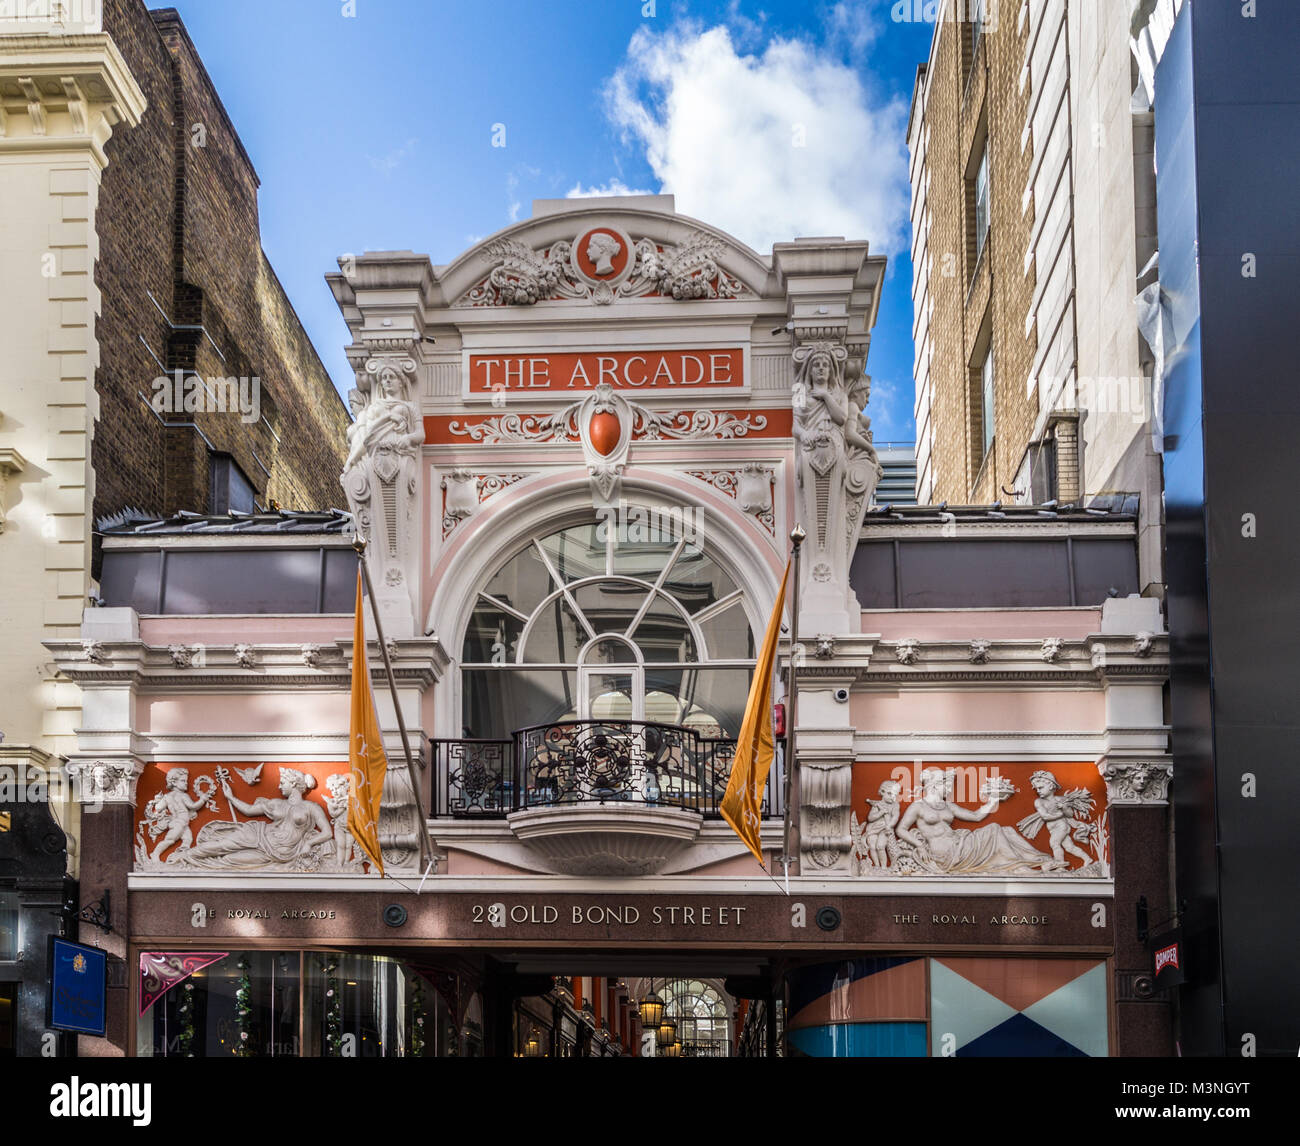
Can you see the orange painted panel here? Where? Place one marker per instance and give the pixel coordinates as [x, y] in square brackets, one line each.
[1053, 815]
[248, 782]
[622, 369]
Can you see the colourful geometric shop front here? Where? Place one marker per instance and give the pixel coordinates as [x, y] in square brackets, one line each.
[579, 451]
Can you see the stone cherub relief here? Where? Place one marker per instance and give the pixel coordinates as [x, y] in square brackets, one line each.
[926, 839]
[836, 463]
[288, 833]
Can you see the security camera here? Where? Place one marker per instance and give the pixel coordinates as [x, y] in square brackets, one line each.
[842, 695]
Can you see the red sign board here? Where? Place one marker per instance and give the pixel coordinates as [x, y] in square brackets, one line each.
[622, 369]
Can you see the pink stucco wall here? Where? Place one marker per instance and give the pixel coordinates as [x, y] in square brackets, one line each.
[988, 624]
[266, 630]
[281, 713]
[976, 710]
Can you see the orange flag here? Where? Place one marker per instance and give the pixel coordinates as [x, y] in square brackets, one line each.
[742, 803]
[365, 749]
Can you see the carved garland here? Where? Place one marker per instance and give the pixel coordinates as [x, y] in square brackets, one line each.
[647, 425]
[521, 276]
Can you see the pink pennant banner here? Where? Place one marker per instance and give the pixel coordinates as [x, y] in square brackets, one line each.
[160, 971]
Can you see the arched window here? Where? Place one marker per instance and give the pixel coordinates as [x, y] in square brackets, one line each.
[594, 622]
[702, 1018]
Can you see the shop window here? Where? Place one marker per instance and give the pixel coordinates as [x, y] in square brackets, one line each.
[278, 1004]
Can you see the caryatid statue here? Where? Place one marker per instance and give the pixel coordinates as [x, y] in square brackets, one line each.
[380, 479]
[836, 470]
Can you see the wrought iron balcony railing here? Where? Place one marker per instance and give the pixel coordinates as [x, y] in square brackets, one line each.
[584, 762]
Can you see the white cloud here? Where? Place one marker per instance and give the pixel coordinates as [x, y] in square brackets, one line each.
[387, 164]
[613, 187]
[769, 145]
[849, 26]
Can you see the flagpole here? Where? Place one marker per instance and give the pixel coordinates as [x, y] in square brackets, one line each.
[797, 535]
[359, 544]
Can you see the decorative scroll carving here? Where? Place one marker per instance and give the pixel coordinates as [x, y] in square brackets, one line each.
[521, 276]
[753, 487]
[464, 491]
[1144, 782]
[825, 834]
[836, 466]
[649, 425]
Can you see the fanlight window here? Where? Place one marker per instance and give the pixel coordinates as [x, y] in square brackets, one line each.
[592, 623]
[701, 1016]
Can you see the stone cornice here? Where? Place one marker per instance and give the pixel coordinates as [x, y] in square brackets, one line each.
[71, 91]
[260, 666]
[881, 528]
[868, 659]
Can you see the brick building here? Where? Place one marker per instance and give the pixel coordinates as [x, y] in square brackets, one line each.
[181, 263]
[130, 248]
[1032, 214]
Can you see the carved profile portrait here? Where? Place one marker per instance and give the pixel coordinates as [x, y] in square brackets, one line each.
[602, 249]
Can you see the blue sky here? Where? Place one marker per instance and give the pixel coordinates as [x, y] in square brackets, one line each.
[371, 124]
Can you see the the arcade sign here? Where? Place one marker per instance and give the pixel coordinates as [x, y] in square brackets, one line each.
[623, 369]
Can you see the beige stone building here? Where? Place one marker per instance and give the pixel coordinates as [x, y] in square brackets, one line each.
[1033, 225]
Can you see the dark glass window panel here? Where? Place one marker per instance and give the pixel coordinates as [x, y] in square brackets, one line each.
[556, 635]
[492, 636]
[1104, 565]
[577, 552]
[497, 701]
[8, 925]
[663, 634]
[610, 605]
[523, 582]
[132, 577]
[247, 581]
[947, 573]
[872, 575]
[727, 634]
[340, 594]
[696, 581]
